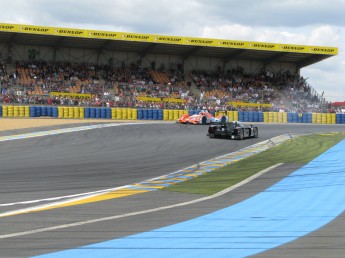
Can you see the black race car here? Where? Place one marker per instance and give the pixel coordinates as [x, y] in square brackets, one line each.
[232, 130]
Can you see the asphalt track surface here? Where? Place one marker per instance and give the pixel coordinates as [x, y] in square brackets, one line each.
[86, 161]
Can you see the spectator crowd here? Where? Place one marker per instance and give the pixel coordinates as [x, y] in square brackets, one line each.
[81, 84]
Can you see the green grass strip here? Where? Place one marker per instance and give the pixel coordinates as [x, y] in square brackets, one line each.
[300, 150]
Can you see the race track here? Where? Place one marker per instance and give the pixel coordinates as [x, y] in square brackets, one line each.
[65, 164]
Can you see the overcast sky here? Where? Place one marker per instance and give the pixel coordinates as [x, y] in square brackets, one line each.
[308, 22]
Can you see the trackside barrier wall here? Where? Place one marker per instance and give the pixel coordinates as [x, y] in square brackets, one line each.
[171, 114]
[14, 111]
[165, 114]
[232, 115]
[156, 114]
[322, 118]
[267, 117]
[340, 118]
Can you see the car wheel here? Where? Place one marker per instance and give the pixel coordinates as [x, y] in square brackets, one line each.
[256, 132]
[241, 134]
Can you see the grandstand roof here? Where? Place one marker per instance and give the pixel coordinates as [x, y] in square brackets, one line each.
[143, 44]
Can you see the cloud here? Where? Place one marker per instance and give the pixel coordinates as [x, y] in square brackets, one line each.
[316, 22]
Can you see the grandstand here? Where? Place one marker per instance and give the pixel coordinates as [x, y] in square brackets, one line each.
[62, 66]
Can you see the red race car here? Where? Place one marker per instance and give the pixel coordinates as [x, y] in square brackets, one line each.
[202, 118]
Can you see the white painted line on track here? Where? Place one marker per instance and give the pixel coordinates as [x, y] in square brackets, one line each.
[29, 232]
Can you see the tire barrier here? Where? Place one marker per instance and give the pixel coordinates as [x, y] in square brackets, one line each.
[32, 111]
[309, 118]
[232, 115]
[100, 113]
[149, 114]
[261, 116]
[60, 112]
[292, 117]
[171, 114]
[16, 111]
[135, 114]
[92, 113]
[49, 111]
[129, 114]
[323, 118]
[155, 114]
[38, 111]
[97, 113]
[318, 118]
[44, 111]
[108, 113]
[251, 116]
[160, 114]
[165, 114]
[140, 114]
[304, 118]
[10, 111]
[55, 112]
[241, 116]
[70, 112]
[27, 111]
[76, 112]
[87, 112]
[340, 119]
[4, 111]
[145, 114]
[245, 116]
[118, 113]
[124, 113]
[175, 115]
[81, 112]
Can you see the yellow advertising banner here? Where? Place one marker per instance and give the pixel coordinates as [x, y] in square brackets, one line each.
[293, 48]
[9, 27]
[136, 37]
[233, 44]
[324, 50]
[207, 42]
[70, 32]
[66, 94]
[248, 104]
[168, 39]
[173, 100]
[201, 42]
[35, 29]
[149, 99]
[103, 34]
[263, 46]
